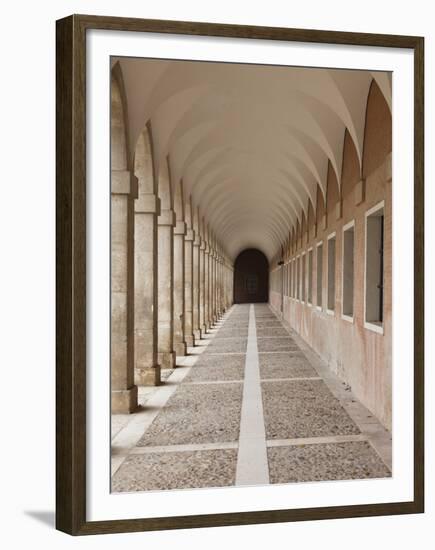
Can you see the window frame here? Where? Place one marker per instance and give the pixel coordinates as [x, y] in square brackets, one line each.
[310, 276]
[331, 236]
[344, 316]
[319, 307]
[378, 328]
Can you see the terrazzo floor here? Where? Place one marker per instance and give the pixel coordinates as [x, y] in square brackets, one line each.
[252, 404]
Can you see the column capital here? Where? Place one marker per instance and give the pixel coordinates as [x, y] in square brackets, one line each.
[123, 182]
[180, 228]
[203, 244]
[197, 241]
[147, 203]
[167, 217]
[190, 235]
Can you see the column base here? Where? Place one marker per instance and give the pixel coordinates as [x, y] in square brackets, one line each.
[180, 349]
[147, 376]
[124, 401]
[166, 359]
[190, 340]
[197, 334]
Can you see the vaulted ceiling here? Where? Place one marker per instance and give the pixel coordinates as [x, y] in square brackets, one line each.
[251, 143]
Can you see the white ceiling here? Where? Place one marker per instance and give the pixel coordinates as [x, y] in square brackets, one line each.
[250, 143]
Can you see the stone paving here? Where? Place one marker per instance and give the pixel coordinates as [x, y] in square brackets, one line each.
[252, 404]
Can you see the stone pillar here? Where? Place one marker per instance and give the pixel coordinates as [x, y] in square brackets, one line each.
[217, 288]
[123, 193]
[211, 290]
[179, 340]
[166, 353]
[225, 285]
[202, 287]
[188, 294]
[220, 287]
[147, 369]
[215, 316]
[206, 288]
[195, 279]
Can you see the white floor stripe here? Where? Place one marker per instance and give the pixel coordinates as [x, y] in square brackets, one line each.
[186, 447]
[206, 382]
[290, 379]
[252, 465]
[316, 440]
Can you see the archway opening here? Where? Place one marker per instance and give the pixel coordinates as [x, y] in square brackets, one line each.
[251, 277]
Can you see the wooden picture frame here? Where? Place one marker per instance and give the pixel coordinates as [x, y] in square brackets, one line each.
[71, 273]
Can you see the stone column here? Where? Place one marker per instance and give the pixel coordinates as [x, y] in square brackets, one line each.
[217, 288]
[195, 279]
[220, 287]
[215, 316]
[166, 353]
[147, 369]
[124, 391]
[211, 290]
[206, 288]
[179, 340]
[202, 287]
[227, 289]
[188, 294]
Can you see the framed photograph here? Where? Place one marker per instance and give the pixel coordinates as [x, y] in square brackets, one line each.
[240, 292]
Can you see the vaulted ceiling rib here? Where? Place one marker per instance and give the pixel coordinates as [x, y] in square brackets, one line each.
[249, 143]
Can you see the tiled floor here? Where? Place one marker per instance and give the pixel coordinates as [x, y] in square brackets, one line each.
[251, 405]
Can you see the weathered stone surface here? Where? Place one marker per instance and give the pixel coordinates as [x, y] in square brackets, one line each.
[232, 332]
[198, 414]
[271, 332]
[227, 345]
[176, 470]
[217, 367]
[323, 462]
[285, 365]
[303, 408]
[276, 344]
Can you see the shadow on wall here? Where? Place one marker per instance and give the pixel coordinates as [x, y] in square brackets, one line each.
[251, 277]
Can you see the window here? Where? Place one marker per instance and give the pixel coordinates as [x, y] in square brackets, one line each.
[294, 278]
[319, 275]
[331, 273]
[348, 269]
[298, 275]
[310, 276]
[374, 268]
[304, 278]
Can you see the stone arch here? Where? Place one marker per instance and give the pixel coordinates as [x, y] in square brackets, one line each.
[332, 195]
[164, 186]
[124, 390]
[350, 167]
[179, 203]
[378, 130]
[119, 150]
[147, 371]
[144, 167]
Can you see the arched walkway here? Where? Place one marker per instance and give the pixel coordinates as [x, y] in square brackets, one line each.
[251, 269]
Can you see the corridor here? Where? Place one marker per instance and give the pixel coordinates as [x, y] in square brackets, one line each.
[250, 404]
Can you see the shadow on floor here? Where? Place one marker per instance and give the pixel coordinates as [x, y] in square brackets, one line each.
[47, 517]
